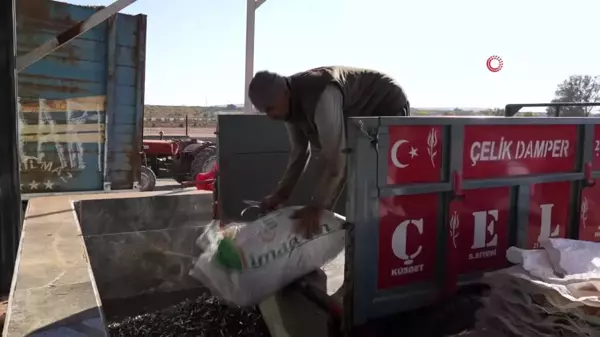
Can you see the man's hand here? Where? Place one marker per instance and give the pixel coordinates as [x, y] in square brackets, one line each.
[308, 221]
[270, 203]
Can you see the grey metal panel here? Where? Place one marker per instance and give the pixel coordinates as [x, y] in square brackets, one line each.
[252, 155]
[523, 198]
[140, 96]
[515, 218]
[422, 188]
[383, 146]
[454, 145]
[249, 133]
[450, 135]
[518, 180]
[456, 140]
[111, 102]
[362, 239]
[587, 157]
[454, 120]
[242, 177]
[586, 151]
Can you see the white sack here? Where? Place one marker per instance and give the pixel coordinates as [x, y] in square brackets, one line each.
[244, 263]
[566, 266]
[571, 257]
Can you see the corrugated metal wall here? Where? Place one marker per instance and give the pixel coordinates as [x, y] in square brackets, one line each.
[81, 107]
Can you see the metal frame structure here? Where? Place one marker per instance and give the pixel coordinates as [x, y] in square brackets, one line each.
[10, 195]
[250, 167]
[511, 110]
[368, 183]
[109, 177]
[251, 7]
[12, 65]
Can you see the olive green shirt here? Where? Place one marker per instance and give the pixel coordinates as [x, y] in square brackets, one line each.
[330, 123]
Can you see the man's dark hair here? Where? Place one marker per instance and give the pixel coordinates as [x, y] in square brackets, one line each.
[265, 87]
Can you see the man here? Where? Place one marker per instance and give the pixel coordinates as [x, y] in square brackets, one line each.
[314, 106]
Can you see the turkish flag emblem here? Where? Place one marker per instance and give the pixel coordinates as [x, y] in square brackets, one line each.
[414, 154]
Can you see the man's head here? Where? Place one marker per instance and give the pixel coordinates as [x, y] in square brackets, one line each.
[270, 94]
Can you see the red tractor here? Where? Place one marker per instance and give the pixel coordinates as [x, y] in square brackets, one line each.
[180, 159]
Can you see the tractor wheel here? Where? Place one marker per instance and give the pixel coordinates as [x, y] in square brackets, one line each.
[204, 161]
[147, 179]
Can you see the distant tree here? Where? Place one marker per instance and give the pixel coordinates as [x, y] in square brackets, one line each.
[493, 112]
[577, 89]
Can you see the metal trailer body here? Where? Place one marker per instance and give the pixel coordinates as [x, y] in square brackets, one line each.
[512, 110]
[434, 202]
[10, 197]
[80, 107]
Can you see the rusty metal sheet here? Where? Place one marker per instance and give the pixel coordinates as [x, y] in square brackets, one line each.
[66, 36]
[61, 144]
[81, 106]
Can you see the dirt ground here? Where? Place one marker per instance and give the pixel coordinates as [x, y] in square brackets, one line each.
[192, 132]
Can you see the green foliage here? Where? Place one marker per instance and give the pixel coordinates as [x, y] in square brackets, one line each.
[576, 89]
[492, 112]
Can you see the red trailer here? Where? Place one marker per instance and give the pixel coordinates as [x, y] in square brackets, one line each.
[433, 203]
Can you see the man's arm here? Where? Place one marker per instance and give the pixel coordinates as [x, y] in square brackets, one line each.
[329, 118]
[299, 155]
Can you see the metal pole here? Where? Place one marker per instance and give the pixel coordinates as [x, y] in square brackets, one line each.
[10, 194]
[250, 16]
[186, 126]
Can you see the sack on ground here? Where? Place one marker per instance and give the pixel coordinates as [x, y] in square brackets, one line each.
[244, 263]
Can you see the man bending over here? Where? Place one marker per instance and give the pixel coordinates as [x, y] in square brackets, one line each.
[314, 106]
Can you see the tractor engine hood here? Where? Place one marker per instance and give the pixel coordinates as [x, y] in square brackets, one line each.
[160, 147]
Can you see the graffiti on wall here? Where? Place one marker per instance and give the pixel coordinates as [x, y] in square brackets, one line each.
[59, 140]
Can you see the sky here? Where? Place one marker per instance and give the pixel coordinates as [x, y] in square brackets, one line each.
[436, 49]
